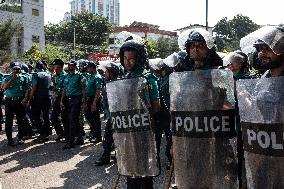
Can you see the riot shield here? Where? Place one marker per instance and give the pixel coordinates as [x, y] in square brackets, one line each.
[261, 103]
[203, 123]
[132, 128]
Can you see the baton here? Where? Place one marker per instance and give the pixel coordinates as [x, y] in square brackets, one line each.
[168, 178]
[116, 181]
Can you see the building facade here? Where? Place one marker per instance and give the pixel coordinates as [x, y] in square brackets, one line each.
[144, 30]
[107, 8]
[29, 16]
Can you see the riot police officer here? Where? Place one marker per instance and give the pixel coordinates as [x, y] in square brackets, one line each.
[16, 89]
[112, 72]
[163, 118]
[261, 104]
[201, 54]
[134, 58]
[198, 94]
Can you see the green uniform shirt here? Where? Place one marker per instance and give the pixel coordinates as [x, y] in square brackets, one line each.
[94, 83]
[74, 84]
[18, 87]
[58, 82]
[152, 85]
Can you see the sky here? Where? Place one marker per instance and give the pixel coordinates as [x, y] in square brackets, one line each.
[174, 14]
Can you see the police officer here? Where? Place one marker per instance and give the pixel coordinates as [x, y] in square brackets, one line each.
[201, 54]
[112, 72]
[40, 100]
[28, 132]
[16, 90]
[74, 89]
[1, 99]
[94, 90]
[271, 61]
[58, 79]
[134, 58]
[237, 62]
[163, 116]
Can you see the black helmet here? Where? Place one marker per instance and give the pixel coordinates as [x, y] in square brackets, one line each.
[194, 36]
[25, 67]
[142, 55]
[114, 69]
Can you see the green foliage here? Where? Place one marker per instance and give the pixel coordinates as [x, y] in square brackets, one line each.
[77, 54]
[229, 32]
[52, 52]
[33, 54]
[151, 49]
[90, 30]
[7, 31]
[11, 8]
[166, 46]
[5, 58]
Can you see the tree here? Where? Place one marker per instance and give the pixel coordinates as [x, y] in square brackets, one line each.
[90, 30]
[33, 54]
[229, 32]
[52, 52]
[8, 30]
[151, 48]
[166, 46]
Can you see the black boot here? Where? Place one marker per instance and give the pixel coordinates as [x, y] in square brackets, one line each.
[79, 141]
[104, 160]
[11, 142]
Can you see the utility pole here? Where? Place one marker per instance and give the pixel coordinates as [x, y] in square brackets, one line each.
[207, 15]
[74, 43]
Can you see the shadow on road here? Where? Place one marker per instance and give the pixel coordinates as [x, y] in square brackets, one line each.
[35, 155]
[87, 175]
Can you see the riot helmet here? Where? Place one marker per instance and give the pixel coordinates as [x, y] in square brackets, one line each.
[141, 53]
[187, 37]
[271, 36]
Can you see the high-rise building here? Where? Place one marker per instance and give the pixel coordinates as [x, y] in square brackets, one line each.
[29, 16]
[106, 8]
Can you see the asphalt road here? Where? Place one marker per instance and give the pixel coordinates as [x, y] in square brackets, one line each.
[38, 166]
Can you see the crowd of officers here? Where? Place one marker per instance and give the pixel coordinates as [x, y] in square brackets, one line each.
[44, 96]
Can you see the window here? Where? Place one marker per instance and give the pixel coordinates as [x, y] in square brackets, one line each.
[35, 12]
[35, 39]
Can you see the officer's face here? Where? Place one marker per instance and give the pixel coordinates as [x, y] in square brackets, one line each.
[235, 67]
[91, 69]
[268, 58]
[58, 68]
[71, 68]
[198, 51]
[129, 60]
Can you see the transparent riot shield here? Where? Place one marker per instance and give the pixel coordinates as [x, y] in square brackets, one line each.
[203, 123]
[261, 103]
[133, 133]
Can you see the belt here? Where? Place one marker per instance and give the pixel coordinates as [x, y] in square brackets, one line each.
[15, 98]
